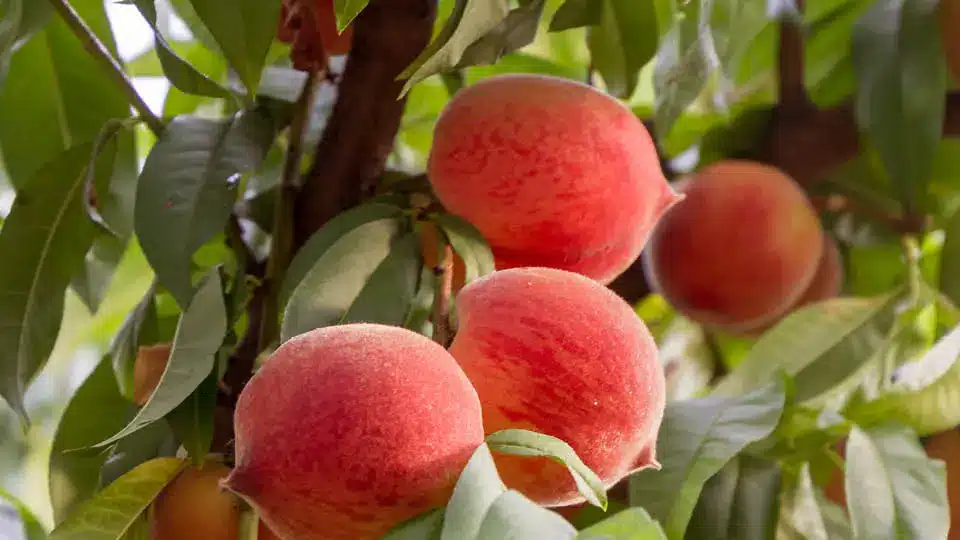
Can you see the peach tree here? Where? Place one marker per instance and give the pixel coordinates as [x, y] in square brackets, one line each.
[780, 362]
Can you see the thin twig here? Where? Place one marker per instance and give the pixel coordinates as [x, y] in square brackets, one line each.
[281, 250]
[442, 333]
[792, 89]
[99, 51]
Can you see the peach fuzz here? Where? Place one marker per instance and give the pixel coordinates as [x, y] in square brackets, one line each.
[739, 251]
[193, 507]
[349, 430]
[555, 352]
[554, 173]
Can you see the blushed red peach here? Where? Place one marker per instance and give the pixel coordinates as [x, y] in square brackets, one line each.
[554, 173]
[555, 352]
[349, 430]
[739, 251]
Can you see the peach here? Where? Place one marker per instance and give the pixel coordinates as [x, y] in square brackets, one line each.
[193, 507]
[349, 430]
[552, 172]
[148, 369]
[739, 251]
[556, 352]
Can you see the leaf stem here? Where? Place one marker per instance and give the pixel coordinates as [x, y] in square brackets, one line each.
[442, 333]
[282, 245]
[99, 51]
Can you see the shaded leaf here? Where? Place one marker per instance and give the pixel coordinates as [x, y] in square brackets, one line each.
[467, 241]
[739, 502]
[199, 336]
[425, 527]
[630, 524]
[124, 346]
[327, 292]
[528, 443]
[901, 84]
[244, 33]
[181, 74]
[192, 420]
[950, 260]
[575, 14]
[188, 187]
[517, 30]
[96, 410]
[478, 487]
[470, 21]
[388, 295]
[697, 438]
[893, 489]
[806, 514]
[623, 42]
[44, 241]
[153, 441]
[112, 511]
[19, 21]
[803, 345]
[515, 517]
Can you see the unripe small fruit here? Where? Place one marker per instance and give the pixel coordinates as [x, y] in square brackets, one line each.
[148, 369]
[194, 507]
[739, 251]
[552, 172]
[558, 353]
[348, 430]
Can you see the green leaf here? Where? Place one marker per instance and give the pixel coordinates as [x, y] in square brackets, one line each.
[96, 410]
[25, 520]
[807, 514]
[697, 438]
[470, 21]
[327, 236]
[630, 524]
[517, 30]
[179, 102]
[55, 92]
[347, 10]
[153, 441]
[244, 32]
[893, 489]
[192, 420]
[950, 260]
[199, 336]
[44, 241]
[424, 527]
[467, 241]
[327, 292]
[19, 21]
[740, 501]
[109, 514]
[181, 74]
[515, 517]
[926, 391]
[388, 295]
[478, 487]
[528, 443]
[188, 187]
[682, 64]
[901, 85]
[623, 42]
[126, 342]
[576, 14]
[821, 345]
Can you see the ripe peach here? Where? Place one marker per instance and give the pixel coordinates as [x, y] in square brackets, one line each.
[555, 352]
[552, 172]
[348, 430]
[193, 507]
[148, 368]
[948, 15]
[739, 251]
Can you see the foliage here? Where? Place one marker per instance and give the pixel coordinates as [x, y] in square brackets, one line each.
[183, 226]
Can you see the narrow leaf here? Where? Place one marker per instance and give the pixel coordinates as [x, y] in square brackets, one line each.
[697, 438]
[630, 524]
[515, 517]
[477, 488]
[192, 420]
[188, 187]
[950, 260]
[467, 241]
[517, 30]
[739, 502]
[387, 298]
[901, 87]
[109, 514]
[347, 10]
[623, 42]
[199, 336]
[528, 443]
[893, 489]
[576, 14]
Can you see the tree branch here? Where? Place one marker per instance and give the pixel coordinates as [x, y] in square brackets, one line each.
[792, 89]
[360, 133]
[101, 54]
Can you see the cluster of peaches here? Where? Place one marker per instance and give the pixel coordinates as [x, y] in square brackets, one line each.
[349, 430]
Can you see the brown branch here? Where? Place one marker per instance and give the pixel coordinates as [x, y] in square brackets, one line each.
[794, 100]
[443, 272]
[360, 133]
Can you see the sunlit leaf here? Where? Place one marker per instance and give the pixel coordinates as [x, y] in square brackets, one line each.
[630, 524]
[622, 43]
